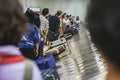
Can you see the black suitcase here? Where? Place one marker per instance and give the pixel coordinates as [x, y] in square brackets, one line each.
[73, 31]
[67, 36]
[55, 51]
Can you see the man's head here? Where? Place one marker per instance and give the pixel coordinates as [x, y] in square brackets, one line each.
[103, 20]
[59, 13]
[64, 15]
[45, 12]
[30, 16]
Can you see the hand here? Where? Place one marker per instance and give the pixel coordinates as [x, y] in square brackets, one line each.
[45, 40]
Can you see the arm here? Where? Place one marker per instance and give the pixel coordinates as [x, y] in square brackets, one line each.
[37, 41]
[61, 27]
[47, 28]
[41, 33]
[46, 31]
[37, 49]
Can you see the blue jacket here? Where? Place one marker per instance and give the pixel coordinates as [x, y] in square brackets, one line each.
[31, 37]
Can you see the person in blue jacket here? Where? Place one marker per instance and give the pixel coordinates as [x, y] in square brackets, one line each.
[29, 44]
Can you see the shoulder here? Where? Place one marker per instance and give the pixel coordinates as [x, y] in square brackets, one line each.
[42, 17]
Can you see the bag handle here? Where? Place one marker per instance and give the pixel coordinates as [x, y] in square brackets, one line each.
[28, 70]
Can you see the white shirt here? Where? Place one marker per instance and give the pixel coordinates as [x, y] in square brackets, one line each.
[66, 21]
[15, 71]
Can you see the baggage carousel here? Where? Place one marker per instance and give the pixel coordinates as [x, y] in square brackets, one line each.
[82, 61]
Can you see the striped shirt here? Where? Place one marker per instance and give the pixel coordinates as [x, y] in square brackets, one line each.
[44, 23]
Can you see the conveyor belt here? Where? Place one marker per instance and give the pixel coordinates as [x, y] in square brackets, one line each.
[81, 62]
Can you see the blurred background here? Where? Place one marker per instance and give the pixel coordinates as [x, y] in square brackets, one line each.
[74, 7]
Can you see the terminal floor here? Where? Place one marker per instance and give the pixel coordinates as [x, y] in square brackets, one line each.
[71, 66]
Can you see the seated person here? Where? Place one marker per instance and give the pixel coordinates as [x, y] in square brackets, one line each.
[103, 20]
[13, 66]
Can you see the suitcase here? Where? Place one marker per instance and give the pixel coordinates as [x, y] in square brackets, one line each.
[60, 56]
[57, 42]
[46, 62]
[55, 51]
[73, 31]
[67, 36]
[50, 74]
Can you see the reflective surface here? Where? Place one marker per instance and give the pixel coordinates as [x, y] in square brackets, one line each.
[82, 61]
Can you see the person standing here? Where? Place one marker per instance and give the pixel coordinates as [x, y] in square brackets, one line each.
[29, 44]
[44, 24]
[54, 25]
[66, 21]
[77, 21]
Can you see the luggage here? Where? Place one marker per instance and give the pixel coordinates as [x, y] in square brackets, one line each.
[73, 31]
[46, 62]
[67, 36]
[55, 51]
[62, 55]
[50, 74]
[57, 42]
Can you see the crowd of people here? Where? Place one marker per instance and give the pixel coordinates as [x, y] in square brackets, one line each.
[43, 28]
[24, 36]
[29, 32]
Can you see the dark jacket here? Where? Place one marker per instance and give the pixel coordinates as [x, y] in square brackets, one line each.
[54, 24]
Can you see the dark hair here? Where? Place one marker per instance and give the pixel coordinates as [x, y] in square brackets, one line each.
[58, 13]
[12, 22]
[103, 20]
[45, 11]
[64, 15]
[30, 15]
[37, 20]
[67, 16]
